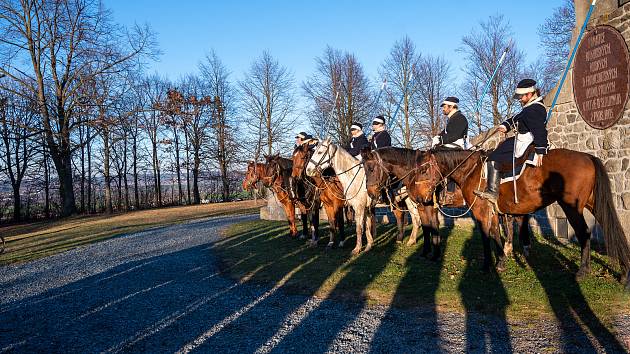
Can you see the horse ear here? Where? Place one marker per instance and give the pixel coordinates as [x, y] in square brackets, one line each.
[366, 153]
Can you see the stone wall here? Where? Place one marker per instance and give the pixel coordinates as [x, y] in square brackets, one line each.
[568, 130]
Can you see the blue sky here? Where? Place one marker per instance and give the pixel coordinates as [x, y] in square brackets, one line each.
[295, 32]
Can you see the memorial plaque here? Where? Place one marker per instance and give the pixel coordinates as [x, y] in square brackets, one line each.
[601, 81]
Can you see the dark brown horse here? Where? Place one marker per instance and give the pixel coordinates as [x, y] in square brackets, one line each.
[402, 164]
[329, 188]
[305, 196]
[573, 179]
[262, 172]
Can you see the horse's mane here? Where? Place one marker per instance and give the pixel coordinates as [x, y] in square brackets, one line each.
[409, 157]
[450, 159]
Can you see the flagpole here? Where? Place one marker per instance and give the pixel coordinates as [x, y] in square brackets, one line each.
[485, 90]
[566, 69]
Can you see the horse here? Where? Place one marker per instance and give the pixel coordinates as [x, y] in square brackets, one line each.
[352, 178]
[257, 171]
[329, 189]
[305, 196]
[573, 179]
[401, 163]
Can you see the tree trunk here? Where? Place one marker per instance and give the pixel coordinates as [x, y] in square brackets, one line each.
[108, 188]
[136, 192]
[156, 177]
[81, 141]
[196, 163]
[180, 194]
[127, 204]
[187, 167]
[63, 165]
[17, 202]
[89, 177]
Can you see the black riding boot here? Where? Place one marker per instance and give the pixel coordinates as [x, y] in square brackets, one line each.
[492, 185]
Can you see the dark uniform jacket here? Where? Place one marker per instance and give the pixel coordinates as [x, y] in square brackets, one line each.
[530, 120]
[357, 144]
[456, 128]
[381, 139]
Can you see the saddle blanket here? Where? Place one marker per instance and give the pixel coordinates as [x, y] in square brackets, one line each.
[506, 174]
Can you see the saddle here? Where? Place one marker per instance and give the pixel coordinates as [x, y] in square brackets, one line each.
[507, 174]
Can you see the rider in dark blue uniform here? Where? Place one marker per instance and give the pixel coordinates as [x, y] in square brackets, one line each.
[531, 128]
[381, 136]
[455, 134]
[359, 140]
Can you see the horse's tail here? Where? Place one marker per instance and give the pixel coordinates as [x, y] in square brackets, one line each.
[615, 239]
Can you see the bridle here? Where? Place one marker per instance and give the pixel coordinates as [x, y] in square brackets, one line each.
[318, 164]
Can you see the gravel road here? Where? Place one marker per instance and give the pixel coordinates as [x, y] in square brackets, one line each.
[161, 291]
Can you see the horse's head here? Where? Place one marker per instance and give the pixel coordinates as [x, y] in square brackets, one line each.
[301, 155]
[321, 158]
[425, 179]
[376, 173]
[252, 176]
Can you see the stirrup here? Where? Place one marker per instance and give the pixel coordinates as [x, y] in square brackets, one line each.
[489, 196]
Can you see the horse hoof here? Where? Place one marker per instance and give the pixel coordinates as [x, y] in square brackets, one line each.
[399, 242]
[341, 244]
[312, 244]
[356, 251]
[507, 249]
[582, 273]
[411, 243]
[302, 236]
[330, 244]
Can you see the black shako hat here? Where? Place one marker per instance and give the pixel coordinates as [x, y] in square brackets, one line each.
[524, 86]
[451, 101]
[356, 126]
[378, 120]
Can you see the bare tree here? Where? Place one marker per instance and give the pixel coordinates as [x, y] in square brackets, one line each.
[268, 104]
[483, 48]
[339, 93]
[433, 77]
[224, 147]
[198, 110]
[17, 118]
[65, 43]
[555, 41]
[398, 71]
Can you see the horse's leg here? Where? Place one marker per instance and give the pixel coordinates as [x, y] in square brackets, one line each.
[415, 220]
[524, 234]
[508, 227]
[304, 217]
[400, 223]
[436, 239]
[315, 223]
[576, 219]
[341, 225]
[289, 209]
[359, 218]
[495, 232]
[370, 228]
[331, 213]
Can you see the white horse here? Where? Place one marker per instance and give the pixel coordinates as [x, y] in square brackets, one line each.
[351, 174]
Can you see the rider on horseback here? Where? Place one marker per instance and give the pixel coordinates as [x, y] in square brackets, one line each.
[530, 128]
[358, 142]
[381, 137]
[455, 135]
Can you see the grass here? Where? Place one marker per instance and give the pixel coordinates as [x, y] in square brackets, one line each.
[392, 274]
[36, 240]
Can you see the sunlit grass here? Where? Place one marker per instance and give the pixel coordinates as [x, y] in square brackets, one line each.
[35, 240]
[396, 274]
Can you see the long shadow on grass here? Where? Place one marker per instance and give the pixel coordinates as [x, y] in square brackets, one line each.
[556, 274]
[334, 321]
[485, 301]
[417, 288]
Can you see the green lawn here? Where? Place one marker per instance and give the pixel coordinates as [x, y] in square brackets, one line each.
[390, 273]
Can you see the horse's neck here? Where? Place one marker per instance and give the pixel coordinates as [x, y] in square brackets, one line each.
[348, 174]
[461, 176]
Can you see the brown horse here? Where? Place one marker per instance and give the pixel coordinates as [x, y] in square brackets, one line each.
[256, 172]
[330, 192]
[305, 196]
[573, 179]
[401, 163]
